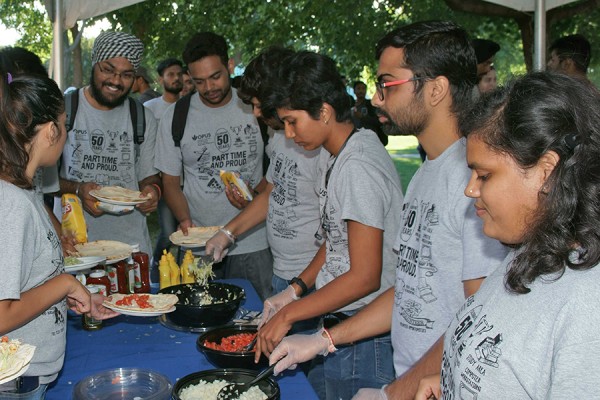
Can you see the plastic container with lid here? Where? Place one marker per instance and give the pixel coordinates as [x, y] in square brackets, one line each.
[141, 262]
[98, 277]
[89, 323]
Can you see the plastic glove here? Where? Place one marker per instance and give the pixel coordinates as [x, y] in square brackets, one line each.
[298, 348]
[275, 303]
[371, 394]
[218, 245]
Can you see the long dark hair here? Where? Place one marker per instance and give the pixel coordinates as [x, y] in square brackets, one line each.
[25, 103]
[532, 115]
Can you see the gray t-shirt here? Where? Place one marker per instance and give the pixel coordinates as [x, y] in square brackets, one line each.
[100, 148]
[363, 187]
[158, 105]
[32, 255]
[440, 245]
[46, 181]
[227, 138]
[294, 215]
[539, 345]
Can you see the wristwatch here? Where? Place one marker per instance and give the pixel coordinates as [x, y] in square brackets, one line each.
[300, 283]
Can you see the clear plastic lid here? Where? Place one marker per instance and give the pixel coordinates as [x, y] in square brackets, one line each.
[98, 273]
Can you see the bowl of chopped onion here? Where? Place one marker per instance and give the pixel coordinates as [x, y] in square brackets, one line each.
[201, 306]
[205, 385]
[224, 347]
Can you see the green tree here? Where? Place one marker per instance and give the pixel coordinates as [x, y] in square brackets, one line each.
[346, 30]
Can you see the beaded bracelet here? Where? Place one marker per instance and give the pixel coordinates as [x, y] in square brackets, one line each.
[229, 235]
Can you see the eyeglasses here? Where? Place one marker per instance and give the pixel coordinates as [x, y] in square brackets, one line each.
[379, 86]
[108, 70]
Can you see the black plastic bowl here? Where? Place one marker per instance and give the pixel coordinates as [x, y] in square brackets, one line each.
[233, 375]
[189, 311]
[224, 359]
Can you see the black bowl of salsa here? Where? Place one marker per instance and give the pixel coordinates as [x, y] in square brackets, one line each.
[228, 353]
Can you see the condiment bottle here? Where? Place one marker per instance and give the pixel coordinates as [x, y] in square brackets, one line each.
[89, 323]
[117, 274]
[141, 263]
[130, 273]
[98, 277]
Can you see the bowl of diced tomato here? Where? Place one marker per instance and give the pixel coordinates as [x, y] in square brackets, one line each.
[223, 347]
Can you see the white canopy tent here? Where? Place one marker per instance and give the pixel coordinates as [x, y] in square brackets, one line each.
[64, 14]
[539, 7]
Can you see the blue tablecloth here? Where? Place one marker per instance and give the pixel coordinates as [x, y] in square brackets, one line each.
[143, 342]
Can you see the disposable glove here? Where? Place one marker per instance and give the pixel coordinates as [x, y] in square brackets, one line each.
[298, 348]
[371, 394]
[273, 304]
[218, 246]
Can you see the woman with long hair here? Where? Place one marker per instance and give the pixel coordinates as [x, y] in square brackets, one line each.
[35, 290]
[531, 329]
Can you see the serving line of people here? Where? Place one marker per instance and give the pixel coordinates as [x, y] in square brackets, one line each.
[347, 246]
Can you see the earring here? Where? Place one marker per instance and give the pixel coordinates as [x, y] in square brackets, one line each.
[326, 122]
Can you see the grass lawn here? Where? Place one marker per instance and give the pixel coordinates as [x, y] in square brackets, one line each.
[403, 150]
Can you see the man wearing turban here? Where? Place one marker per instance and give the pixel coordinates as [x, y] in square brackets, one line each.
[101, 149]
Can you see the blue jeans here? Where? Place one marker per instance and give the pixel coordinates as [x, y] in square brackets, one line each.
[36, 394]
[365, 364]
[168, 225]
[257, 267]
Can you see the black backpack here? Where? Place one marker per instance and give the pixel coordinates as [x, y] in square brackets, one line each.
[135, 109]
[180, 118]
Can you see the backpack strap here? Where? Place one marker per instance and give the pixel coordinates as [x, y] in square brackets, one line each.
[71, 104]
[138, 120]
[180, 118]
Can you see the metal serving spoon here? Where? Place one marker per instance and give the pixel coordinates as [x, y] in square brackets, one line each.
[250, 345]
[235, 390]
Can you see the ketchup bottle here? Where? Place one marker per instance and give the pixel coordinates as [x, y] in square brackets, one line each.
[118, 277]
[141, 263]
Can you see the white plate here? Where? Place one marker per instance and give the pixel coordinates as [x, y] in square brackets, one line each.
[117, 202]
[86, 263]
[135, 313]
[115, 260]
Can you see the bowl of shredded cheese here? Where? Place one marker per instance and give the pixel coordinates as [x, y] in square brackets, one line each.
[205, 385]
[201, 306]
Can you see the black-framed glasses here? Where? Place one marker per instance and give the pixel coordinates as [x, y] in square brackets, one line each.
[109, 70]
[379, 86]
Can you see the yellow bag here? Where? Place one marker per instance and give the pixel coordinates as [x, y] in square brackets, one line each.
[73, 222]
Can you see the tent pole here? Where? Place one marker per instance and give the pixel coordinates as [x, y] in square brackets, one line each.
[539, 37]
[58, 45]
